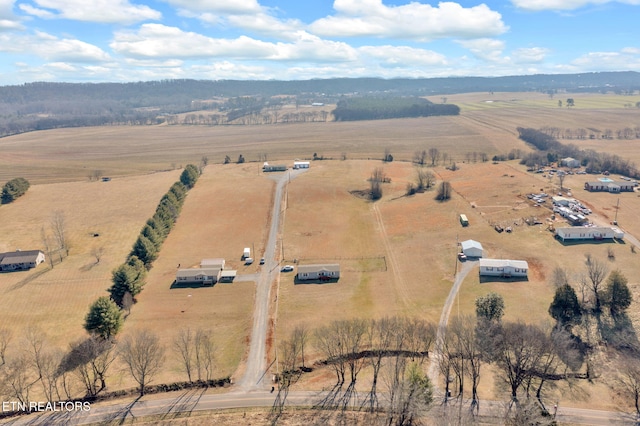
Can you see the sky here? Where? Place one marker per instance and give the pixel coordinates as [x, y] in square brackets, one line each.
[144, 40]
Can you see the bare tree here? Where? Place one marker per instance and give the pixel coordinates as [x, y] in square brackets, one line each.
[127, 302]
[301, 336]
[425, 179]
[628, 381]
[5, 338]
[596, 273]
[205, 350]
[376, 180]
[59, 229]
[561, 176]
[464, 331]
[434, 156]
[410, 392]
[444, 191]
[380, 334]
[48, 245]
[183, 346]
[289, 373]
[90, 359]
[18, 378]
[419, 157]
[143, 355]
[97, 252]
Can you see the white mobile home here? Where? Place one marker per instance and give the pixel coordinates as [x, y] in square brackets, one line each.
[503, 268]
[471, 248]
[589, 233]
[197, 276]
[318, 272]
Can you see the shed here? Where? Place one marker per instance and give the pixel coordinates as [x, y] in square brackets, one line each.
[504, 268]
[213, 263]
[227, 276]
[318, 272]
[570, 162]
[471, 248]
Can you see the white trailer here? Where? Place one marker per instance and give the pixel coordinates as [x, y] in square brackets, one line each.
[246, 253]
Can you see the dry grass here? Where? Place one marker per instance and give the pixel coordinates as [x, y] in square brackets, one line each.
[230, 206]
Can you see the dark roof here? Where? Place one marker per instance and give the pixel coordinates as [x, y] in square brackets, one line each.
[19, 256]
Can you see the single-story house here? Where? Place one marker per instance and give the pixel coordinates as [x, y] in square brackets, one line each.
[589, 233]
[613, 187]
[471, 248]
[301, 164]
[18, 260]
[213, 263]
[570, 162]
[503, 268]
[318, 272]
[198, 276]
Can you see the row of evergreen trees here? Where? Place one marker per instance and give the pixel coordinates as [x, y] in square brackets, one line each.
[13, 189]
[374, 108]
[105, 315]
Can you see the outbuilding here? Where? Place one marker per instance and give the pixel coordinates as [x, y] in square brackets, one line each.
[570, 162]
[504, 268]
[471, 248]
[318, 272]
[301, 164]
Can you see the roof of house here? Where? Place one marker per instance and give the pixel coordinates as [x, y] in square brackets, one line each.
[498, 263]
[194, 272]
[12, 257]
[466, 245]
[330, 267]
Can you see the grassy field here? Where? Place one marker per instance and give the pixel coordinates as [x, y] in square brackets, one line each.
[397, 254]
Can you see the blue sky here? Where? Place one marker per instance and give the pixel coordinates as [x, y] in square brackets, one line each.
[141, 40]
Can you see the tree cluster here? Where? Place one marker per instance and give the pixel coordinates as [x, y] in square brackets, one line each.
[551, 150]
[379, 108]
[13, 189]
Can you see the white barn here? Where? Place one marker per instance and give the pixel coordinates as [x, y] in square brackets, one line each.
[471, 248]
[504, 268]
[570, 162]
[589, 233]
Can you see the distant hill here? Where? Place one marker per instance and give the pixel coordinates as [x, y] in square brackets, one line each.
[37, 106]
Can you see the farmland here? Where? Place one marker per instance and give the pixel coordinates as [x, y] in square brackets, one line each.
[397, 254]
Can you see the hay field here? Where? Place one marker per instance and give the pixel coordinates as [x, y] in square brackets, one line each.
[57, 300]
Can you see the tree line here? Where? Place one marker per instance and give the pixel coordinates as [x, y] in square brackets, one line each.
[378, 108]
[105, 317]
[551, 150]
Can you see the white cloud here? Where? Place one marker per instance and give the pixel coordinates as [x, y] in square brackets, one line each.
[8, 21]
[413, 21]
[610, 61]
[52, 48]
[529, 55]
[565, 4]
[486, 49]
[105, 11]
[403, 56]
[156, 41]
[218, 6]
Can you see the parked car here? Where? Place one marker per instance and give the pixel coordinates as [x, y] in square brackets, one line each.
[248, 260]
[262, 260]
[286, 268]
[462, 257]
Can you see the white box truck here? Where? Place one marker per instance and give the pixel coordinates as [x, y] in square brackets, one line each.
[246, 253]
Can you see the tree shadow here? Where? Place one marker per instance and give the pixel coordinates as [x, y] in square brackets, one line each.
[618, 331]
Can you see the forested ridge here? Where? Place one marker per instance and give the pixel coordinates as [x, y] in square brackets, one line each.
[43, 105]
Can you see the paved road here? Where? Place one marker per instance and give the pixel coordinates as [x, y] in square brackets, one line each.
[195, 400]
[255, 375]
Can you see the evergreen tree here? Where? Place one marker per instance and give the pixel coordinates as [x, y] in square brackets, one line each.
[128, 278]
[152, 235]
[617, 293]
[145, 250]
[104, 318]
[13, 189]
[189, 176]
[490, 307]
[565, 308]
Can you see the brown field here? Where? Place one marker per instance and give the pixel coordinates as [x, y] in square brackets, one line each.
[397, 255]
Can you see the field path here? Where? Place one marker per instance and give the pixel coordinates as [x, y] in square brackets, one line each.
[467, 267]
[400, 285]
